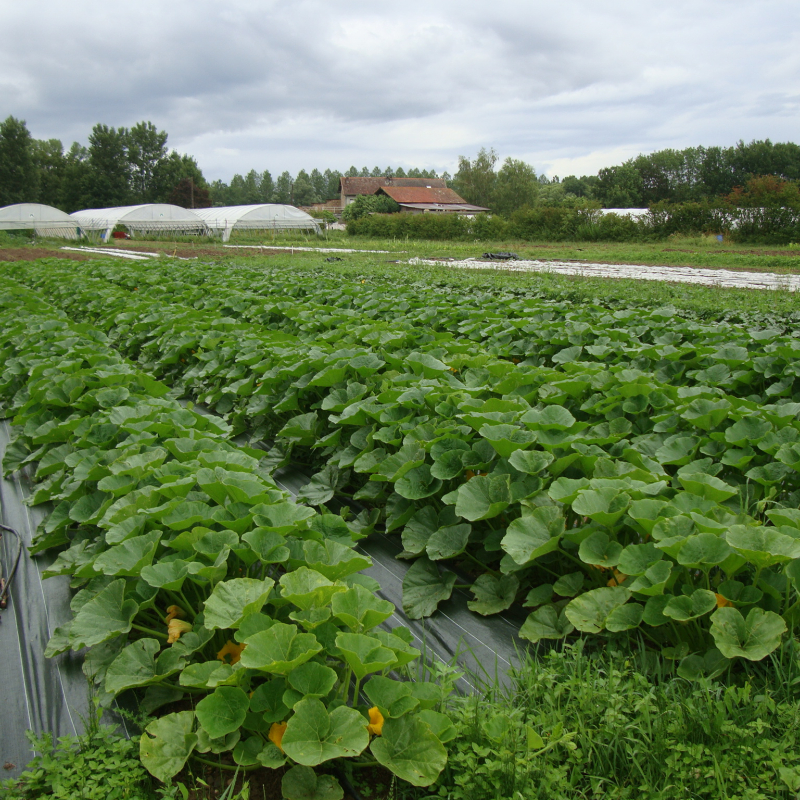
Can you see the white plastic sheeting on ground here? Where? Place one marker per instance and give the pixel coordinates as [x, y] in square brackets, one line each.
[724, 278]
[267, 217]
[44, 220]
[146, 218]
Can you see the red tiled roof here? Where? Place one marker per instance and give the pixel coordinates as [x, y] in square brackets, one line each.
[421, 194]
[362, 185]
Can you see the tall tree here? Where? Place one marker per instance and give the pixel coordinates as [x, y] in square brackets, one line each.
[619, 187]
[173, 171]
[50, 163]
[75, 186]
[334, 184]
[109, 178]
[475, 180]
[304, 194]
[320, 184]
[147, 148]
[18, 177]
[517, 186]
[283, 188]
[252, 188]
[266, 189]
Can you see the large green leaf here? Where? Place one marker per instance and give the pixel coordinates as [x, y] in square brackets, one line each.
[424, 587]
[707, 486]
[279, 649]
[703, 551]
[605, 505]
[106, 615]
[409, 748]
[136, 665]
[232, 600]
[359, 609]
[129, 557]
[393, 698]
[334, 560]
[167, 743]
[307, 588]
[493, 594]
[507, 439]
[763, 546]
[281, 518]
[483, 497]
[312, 679]
[223, 711]
[302, 783]
[546, 622]
[753, 638]
[448, 542]
[684, 608]
[166, 574]
[418, 483]
[531, 462]
[313, 735]
[534, 535]
[364, 654]
[599, 550]
[553, 417]
[590, 611]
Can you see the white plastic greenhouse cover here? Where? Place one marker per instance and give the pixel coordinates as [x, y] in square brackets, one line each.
[269, 216]
[44, 220]
[150, 217]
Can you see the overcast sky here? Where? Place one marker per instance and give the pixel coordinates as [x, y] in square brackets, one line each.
[569, 87]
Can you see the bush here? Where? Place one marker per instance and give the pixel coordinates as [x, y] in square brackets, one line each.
[763, 225]
[366, 204]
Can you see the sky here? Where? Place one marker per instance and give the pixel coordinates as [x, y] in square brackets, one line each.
[569, 87]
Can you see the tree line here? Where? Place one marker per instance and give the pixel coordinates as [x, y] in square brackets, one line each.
[304, 189]
[125, 166]
[121, 166]
[695, 174]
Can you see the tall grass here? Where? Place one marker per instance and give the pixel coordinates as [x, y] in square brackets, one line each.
[618, 723]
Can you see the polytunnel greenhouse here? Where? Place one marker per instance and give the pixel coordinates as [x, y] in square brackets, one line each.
[43, 220]
[147, 218]
[270, 216]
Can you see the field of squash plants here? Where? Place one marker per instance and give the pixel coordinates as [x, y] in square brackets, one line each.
[608, 469]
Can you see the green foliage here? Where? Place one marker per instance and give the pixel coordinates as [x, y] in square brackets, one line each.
[578, 723]
[365, 204]
[633, 445]
[197, 576]
[100, 765]
[18, 175]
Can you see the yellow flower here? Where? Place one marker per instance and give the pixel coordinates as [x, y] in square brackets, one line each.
[618, 579]
[722, 601]
[375, 721]
[232, 650]
[275, 734]
[173, 612]
[175, 628]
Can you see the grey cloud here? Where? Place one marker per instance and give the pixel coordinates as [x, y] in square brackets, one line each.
[304, 83]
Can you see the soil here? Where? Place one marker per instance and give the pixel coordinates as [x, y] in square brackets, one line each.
[188, 250]
[209, 783]
[34, 253]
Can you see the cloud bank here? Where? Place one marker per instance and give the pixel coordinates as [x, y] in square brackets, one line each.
[268, 85]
